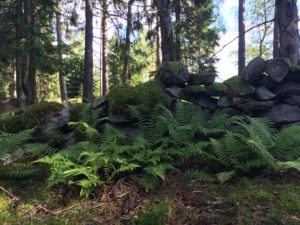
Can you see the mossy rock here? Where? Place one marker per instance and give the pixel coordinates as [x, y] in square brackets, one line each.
[252, 106]
[217, 89]
[75, 110]
[238, 87]
[172, 74]
[33, 116]
[202, 78]
[194, 90]
[145, 96]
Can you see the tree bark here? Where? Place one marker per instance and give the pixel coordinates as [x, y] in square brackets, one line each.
[288, 30]
[242, 45]
[158, 48]
[126, 75]
[166, 28]
[62, 81]
[105, 78]
[88, 83]
[19, 63]
[178, 30]
[276, 53]
[31, 95]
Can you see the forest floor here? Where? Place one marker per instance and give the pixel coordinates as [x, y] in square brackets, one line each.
[269, 200]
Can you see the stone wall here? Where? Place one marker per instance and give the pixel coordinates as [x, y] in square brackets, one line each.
[267, 89]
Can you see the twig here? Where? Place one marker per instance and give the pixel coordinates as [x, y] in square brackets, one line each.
[15, 198]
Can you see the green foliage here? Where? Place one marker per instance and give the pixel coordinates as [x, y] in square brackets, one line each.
[146, 96]
[237, 86]
[199, 175]
[33, 116]
[156, 215]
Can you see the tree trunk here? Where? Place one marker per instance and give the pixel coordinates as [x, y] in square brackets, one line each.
[31, 95]
[276, 33]
[62, 81]
[166, 28]
[178, 30]
[88, 83]
[19, 53]
[105, 81]
[158, 48]
[288, 30]
[126, 75]
[242, 45]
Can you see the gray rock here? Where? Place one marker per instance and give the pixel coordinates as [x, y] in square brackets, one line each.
[202, 78]
[205, 102]
[263, 94]
[293, 100]
[239, 101]
[293, 74]
[217, 89]
[254, 106]
[173, 74]
[254, 70]
[114, 118]
[224, 102]
[100, 102]
[277, 69]
[283, 113]
[287, 88]
[174, 91]
[267, 82]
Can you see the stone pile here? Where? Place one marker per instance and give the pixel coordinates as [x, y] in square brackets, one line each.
[267, 89]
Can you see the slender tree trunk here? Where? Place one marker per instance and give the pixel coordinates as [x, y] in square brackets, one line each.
[105, 81]
[158, 48]
[31, 95]
[288, 30]
[62, 81]
[19, 53]
[178, 30]
[242, 45]
[88, 83]
[126, 75]
[166, 28]
[276, 50]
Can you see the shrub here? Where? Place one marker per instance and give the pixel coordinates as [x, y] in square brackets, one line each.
[145, 96]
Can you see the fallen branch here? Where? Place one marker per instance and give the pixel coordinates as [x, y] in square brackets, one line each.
[14, 198]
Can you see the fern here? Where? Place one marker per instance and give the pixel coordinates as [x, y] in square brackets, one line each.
[225, 176]
[199, 175]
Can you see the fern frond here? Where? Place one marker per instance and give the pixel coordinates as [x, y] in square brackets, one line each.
[199, 175]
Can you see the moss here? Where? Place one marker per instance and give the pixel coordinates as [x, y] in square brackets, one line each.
[237, 86]
[194, 90]
[33, 116]
[217, 89]
[145, 96]
[157, 215]
[202, 78]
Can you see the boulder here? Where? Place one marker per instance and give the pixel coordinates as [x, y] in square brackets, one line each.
[254, 70]
[277, 69]
[238, 87]
[173, 74]
[287, 88]
[239, 101]
[294, 74]
[283, 113]
[100, 102]
[224, 102]
[267, 82]
[118, 119]
[217, 89]
[205, 102]
[174, 91]
[254, 106]
[202, 78]
[293, 100]
[194, 90]
[263, 94]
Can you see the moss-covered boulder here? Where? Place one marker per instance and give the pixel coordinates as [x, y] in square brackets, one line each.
[173, 74]
[217, 89]
[202, 78]
[33, 116]
[238, 87]
[252, 106]
[194, 90]
[145, 96]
